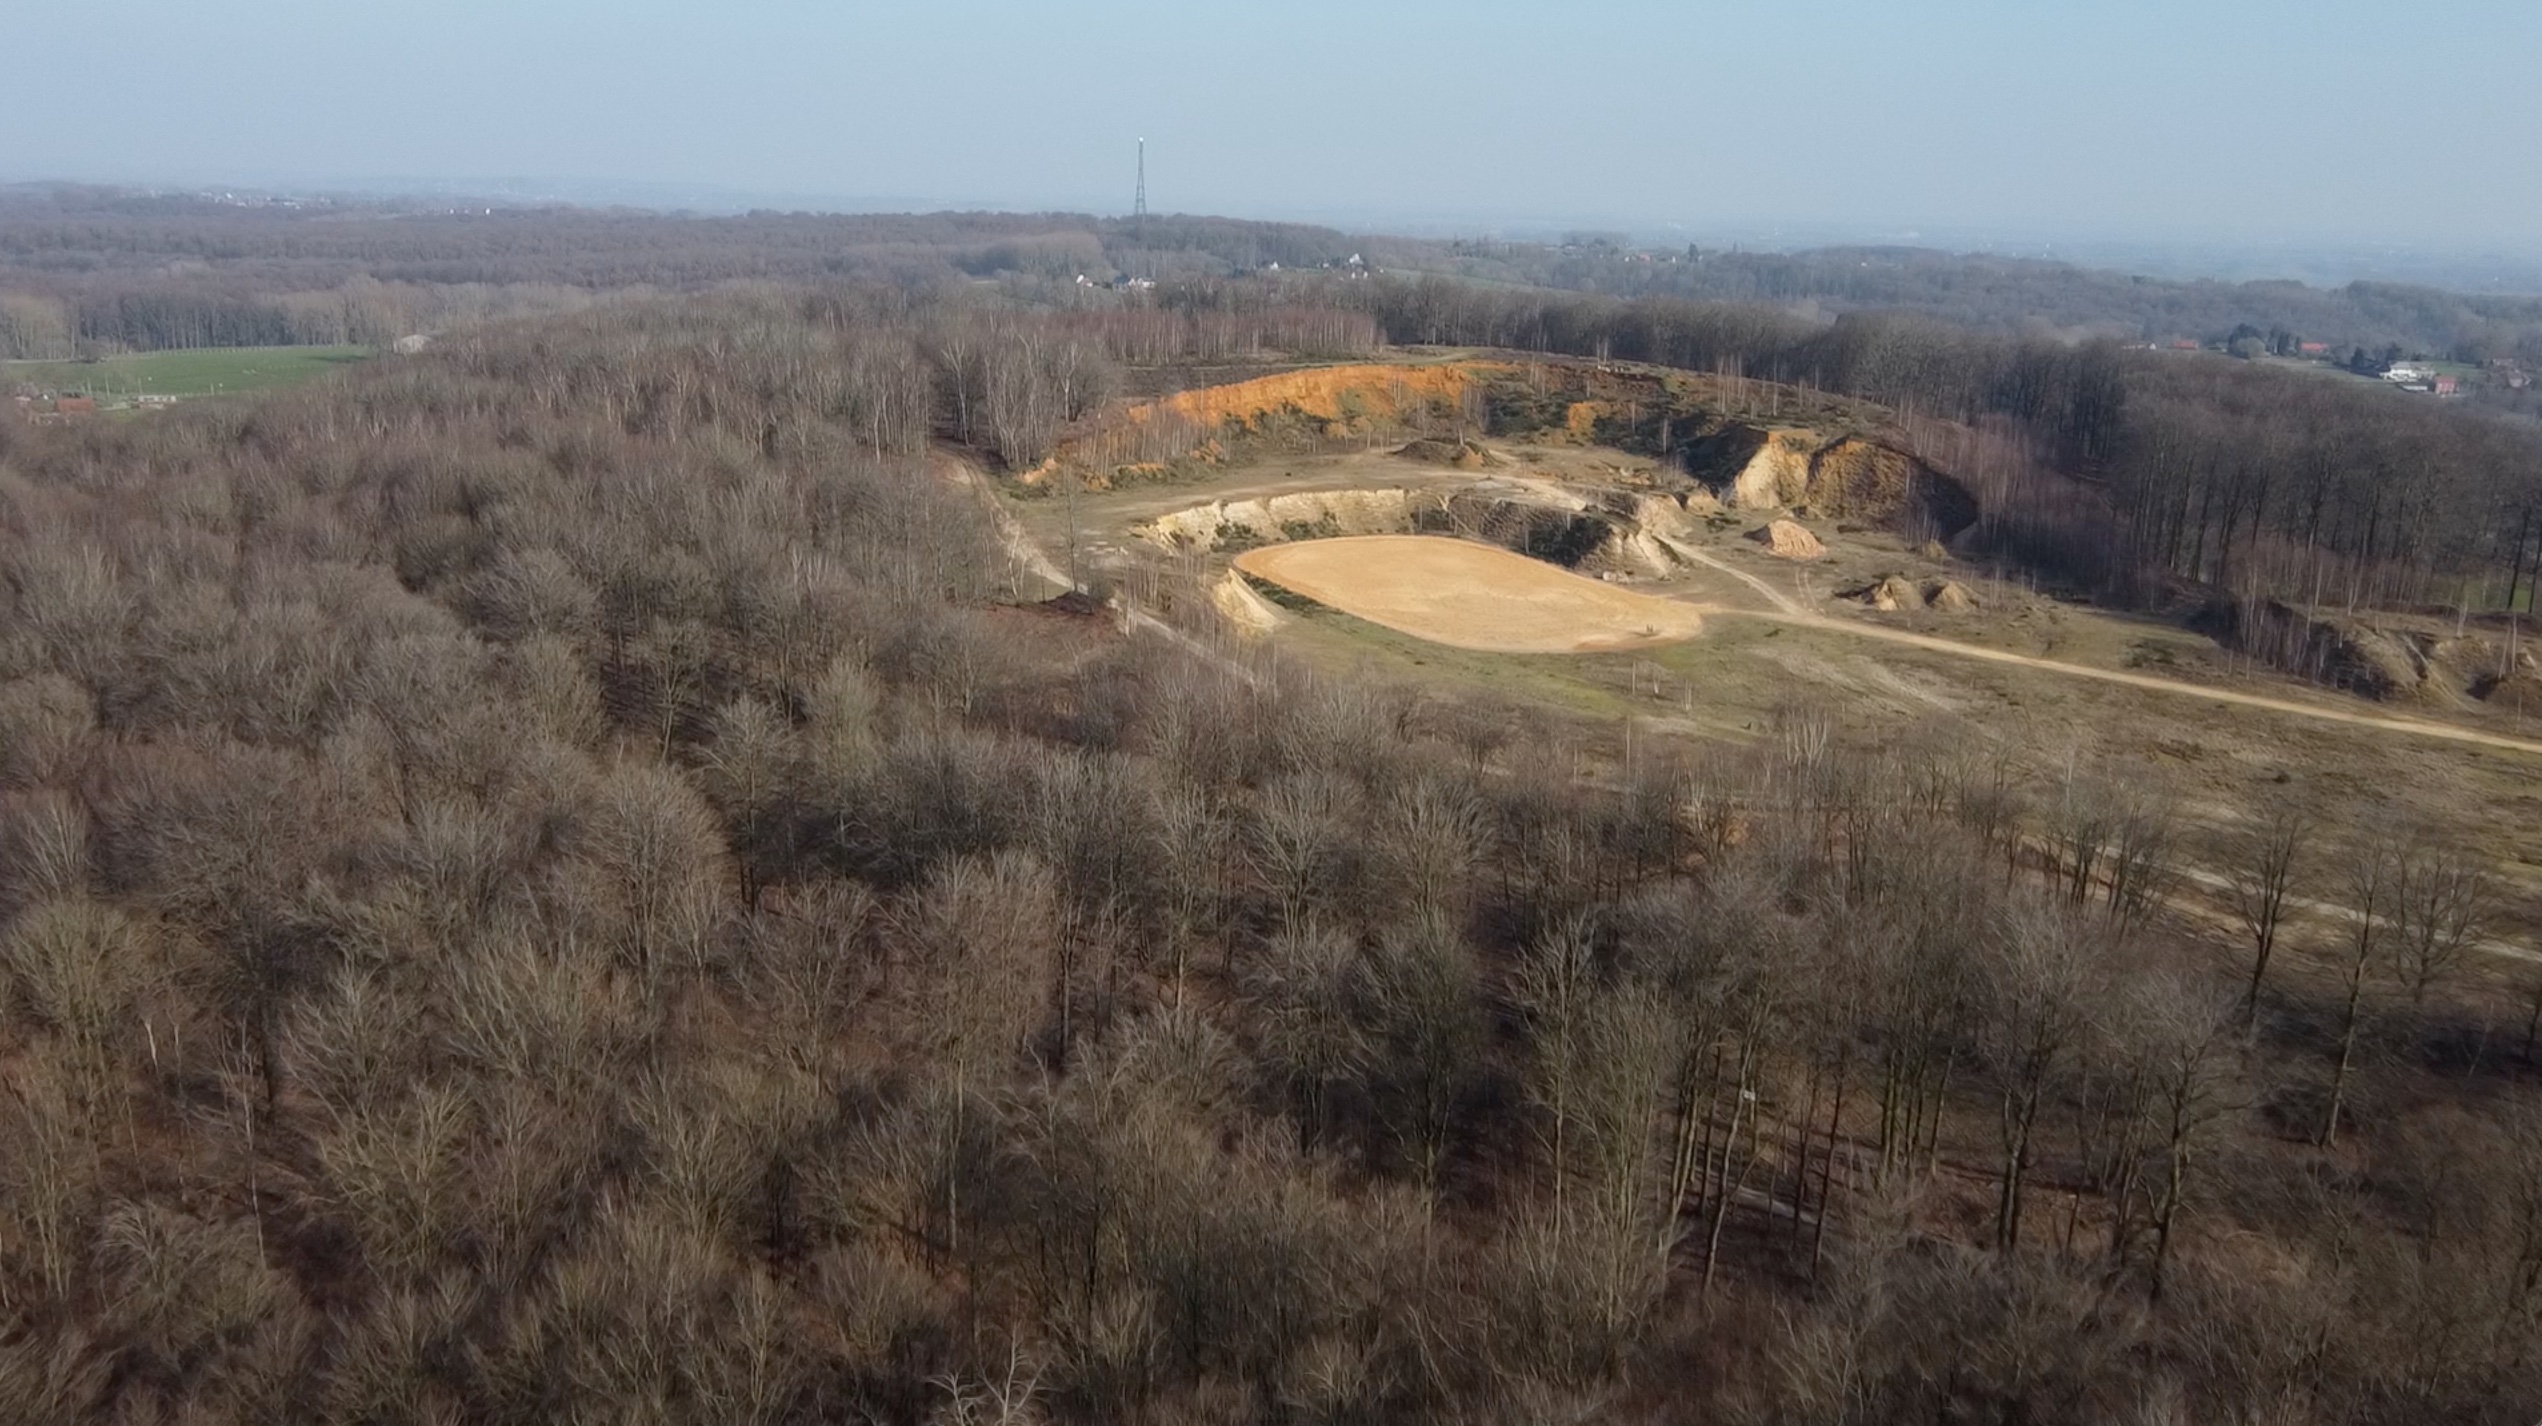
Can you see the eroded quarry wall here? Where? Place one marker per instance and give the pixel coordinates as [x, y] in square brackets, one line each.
[1596, 532]
[1834, 478]
[1319, 404]
[1239, 524]
[1822, 458]
[2384, 661]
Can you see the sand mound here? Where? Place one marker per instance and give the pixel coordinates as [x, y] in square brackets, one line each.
[1896, 592]
[1459, 455]
[1932, 550]
[1950, 596]
[2521, 689]
[1470, 596]
[1785, 539]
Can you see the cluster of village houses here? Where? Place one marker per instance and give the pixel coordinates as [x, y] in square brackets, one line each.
[41, 407]
[2409, 376]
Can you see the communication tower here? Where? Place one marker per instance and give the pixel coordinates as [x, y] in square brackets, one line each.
[1138, 209]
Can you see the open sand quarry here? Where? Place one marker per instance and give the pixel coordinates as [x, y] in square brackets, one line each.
[1471, 596]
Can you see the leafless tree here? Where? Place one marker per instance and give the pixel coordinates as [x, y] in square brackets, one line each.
[2037, 977]
[44, 722]
[2262, 867]
[652, 853]
[2189, 1061]
[51, 1179]
[1300, 847]
[981, 942]
[1196, 843]
[391, 1171]
[1302, 989]
[2142, 857]
[751, 770]
[1430, 844]
[2369, 879]
[2440, 906]
[1421, 1014]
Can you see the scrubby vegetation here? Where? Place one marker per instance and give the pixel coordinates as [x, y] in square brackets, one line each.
[544, 881]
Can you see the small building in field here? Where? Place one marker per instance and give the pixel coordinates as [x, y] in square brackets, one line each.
[75, 406]
[2447, 386]
[2313, 349]
[2185, 344]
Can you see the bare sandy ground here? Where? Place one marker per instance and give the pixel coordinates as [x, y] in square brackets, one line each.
[1471, 596]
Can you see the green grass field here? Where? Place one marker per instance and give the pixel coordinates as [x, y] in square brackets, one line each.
[208, 371]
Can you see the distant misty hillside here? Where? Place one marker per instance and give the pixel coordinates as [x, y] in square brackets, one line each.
[135, 269]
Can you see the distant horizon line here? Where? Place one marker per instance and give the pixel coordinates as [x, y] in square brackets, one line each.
[2217, 256]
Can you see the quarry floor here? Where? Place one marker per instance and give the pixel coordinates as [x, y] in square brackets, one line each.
[2042, 681]
[1472, 596]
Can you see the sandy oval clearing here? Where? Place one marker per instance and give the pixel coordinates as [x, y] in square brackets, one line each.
[1470, 596]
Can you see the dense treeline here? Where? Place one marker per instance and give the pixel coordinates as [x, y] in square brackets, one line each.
[83, 249]
[72, 231]
[541, 884]
[88, 270]
[2033, 297]
[2104, 465]
[60, 321]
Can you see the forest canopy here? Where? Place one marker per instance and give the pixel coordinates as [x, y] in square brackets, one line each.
[556, 878]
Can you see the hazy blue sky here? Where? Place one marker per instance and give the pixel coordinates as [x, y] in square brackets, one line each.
[2244, 119]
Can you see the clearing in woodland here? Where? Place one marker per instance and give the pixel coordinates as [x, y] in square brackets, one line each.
[203, 371]
[1471, 596]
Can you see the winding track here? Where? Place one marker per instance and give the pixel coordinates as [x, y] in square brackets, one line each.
[1788, 611]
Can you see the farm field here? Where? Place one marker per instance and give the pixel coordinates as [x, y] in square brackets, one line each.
[205, 371]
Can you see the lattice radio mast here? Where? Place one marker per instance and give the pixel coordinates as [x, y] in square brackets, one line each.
[1138, 210]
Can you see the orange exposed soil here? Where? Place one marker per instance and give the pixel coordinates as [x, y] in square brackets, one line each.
[1341, 395]
[1365, 399]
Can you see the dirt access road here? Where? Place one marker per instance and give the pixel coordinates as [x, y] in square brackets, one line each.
[1786, 610]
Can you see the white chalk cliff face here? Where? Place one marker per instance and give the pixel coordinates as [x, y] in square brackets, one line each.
[1499, 511]
[1337, 512]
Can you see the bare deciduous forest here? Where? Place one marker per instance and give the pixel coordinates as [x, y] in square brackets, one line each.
[2149, 477]
[552, 879]
[2145, 476]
